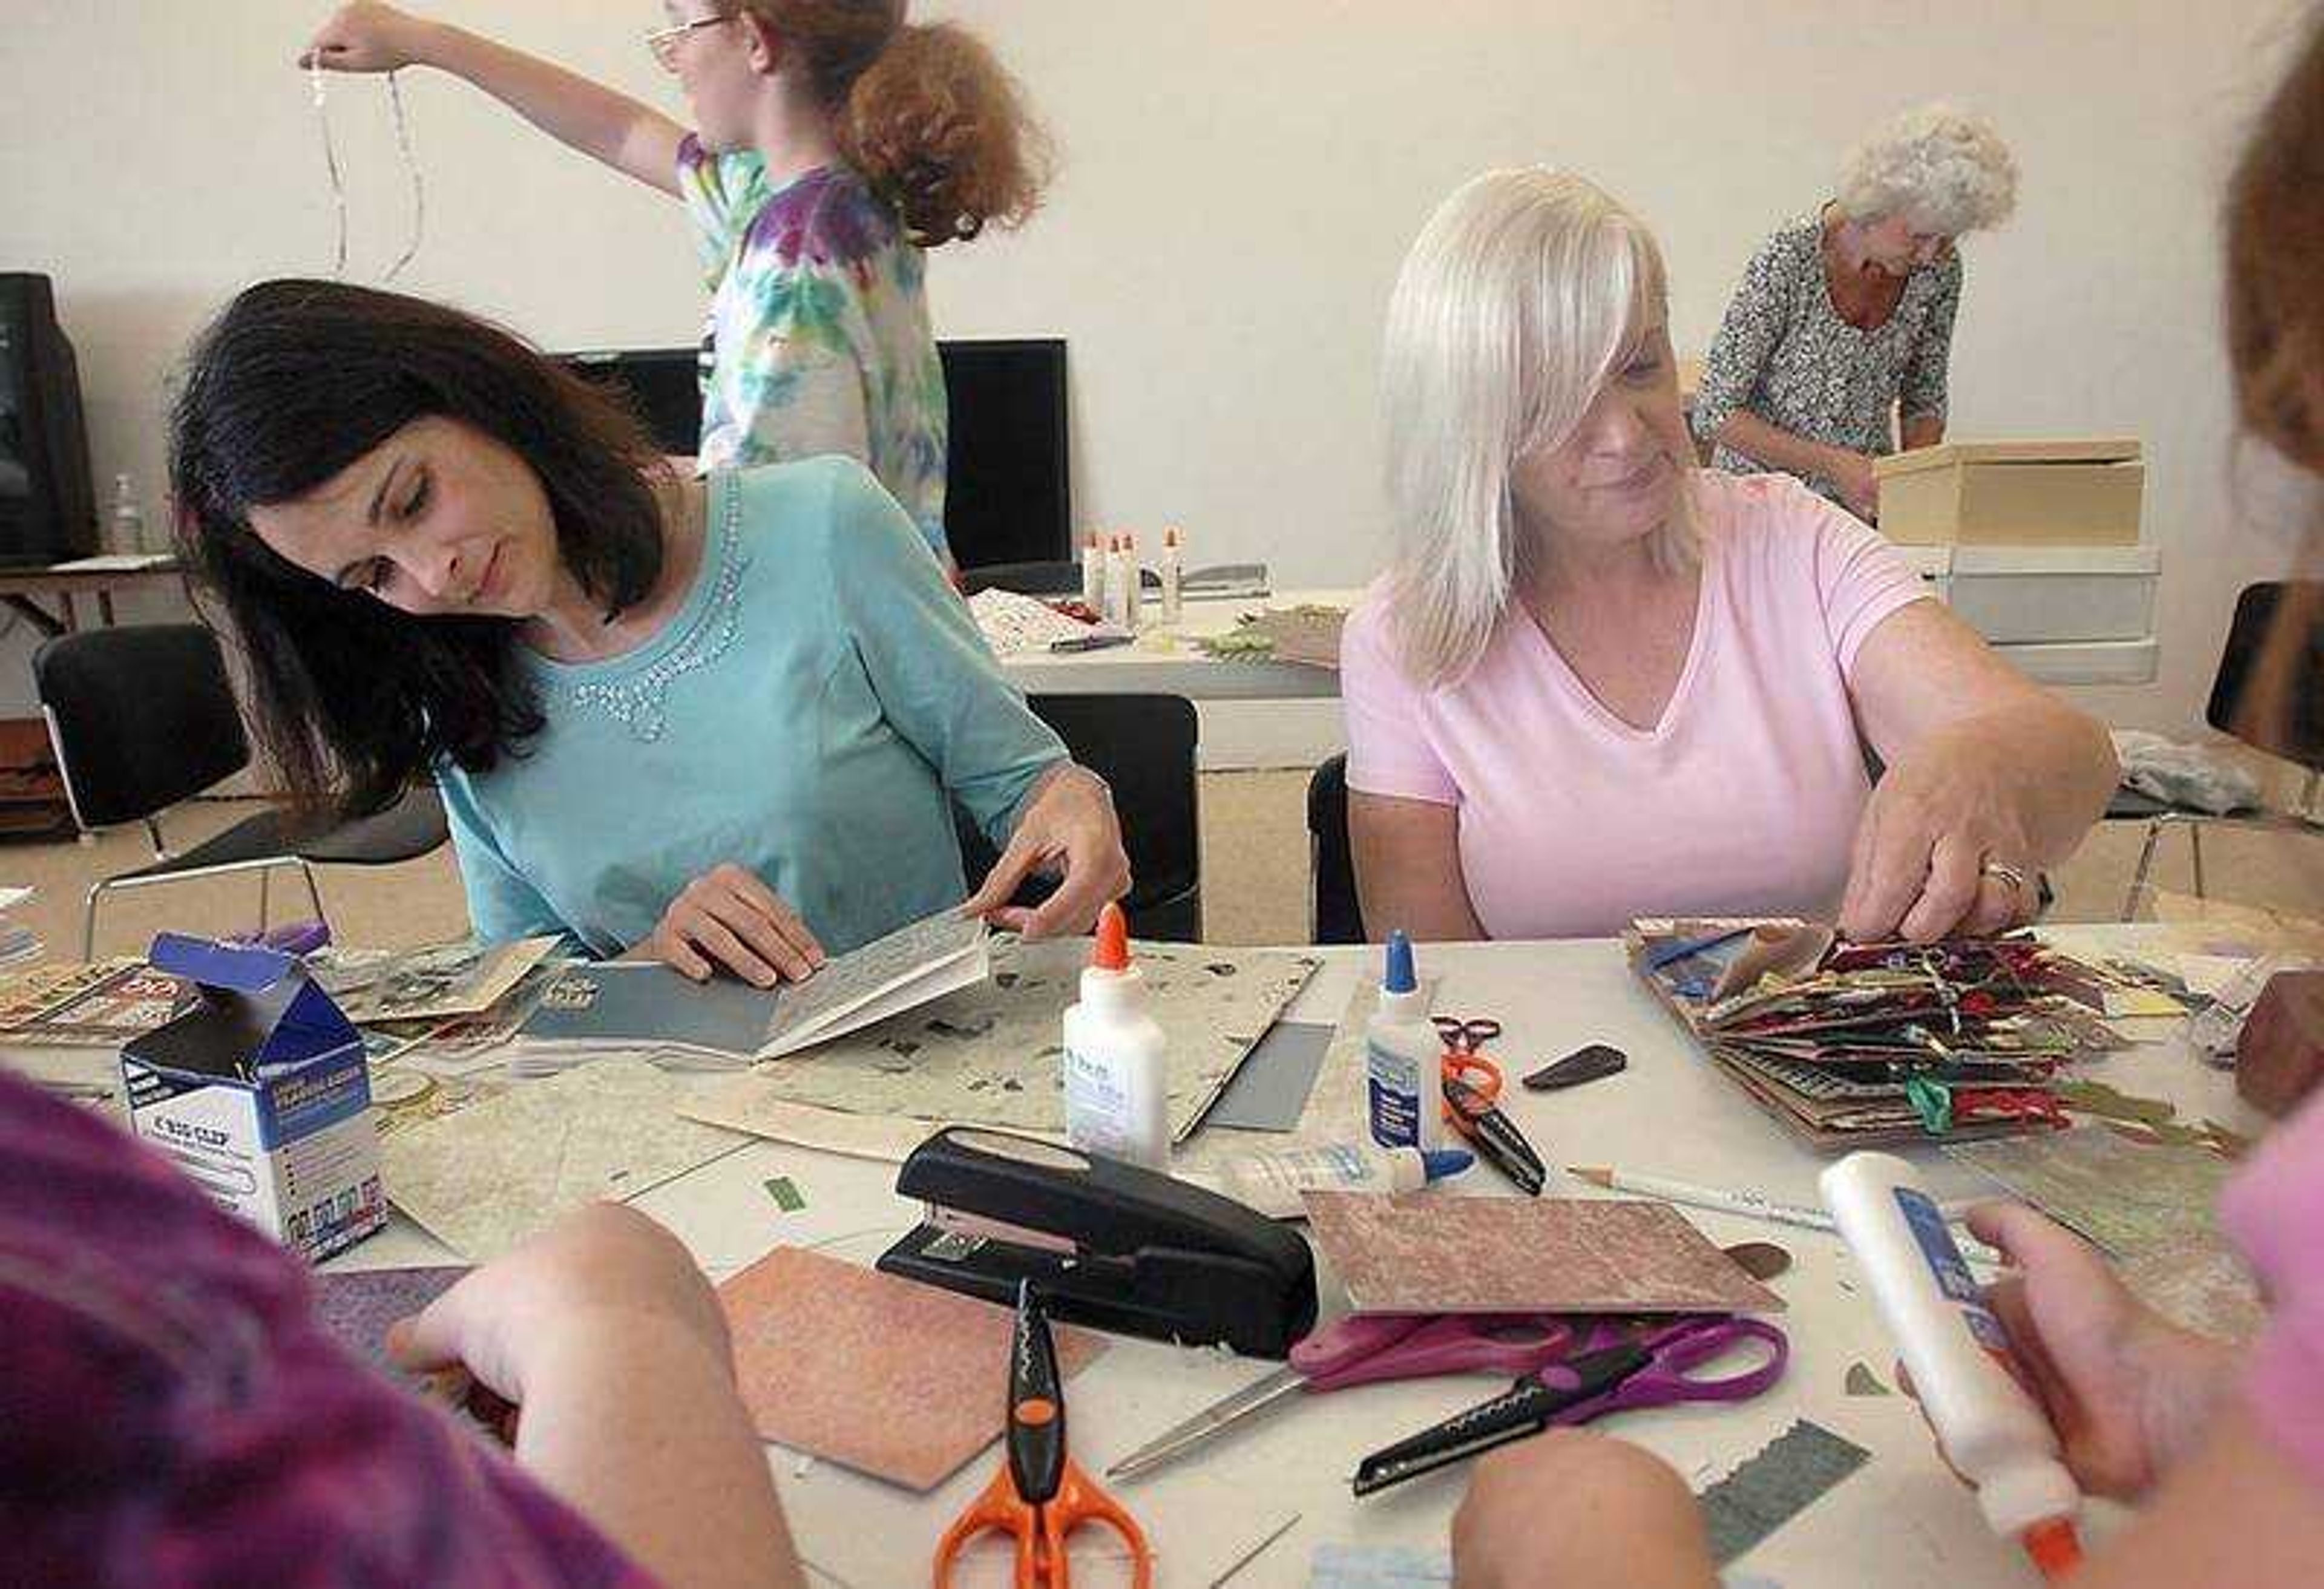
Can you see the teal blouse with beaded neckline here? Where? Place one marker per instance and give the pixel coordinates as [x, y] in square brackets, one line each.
[811, 712]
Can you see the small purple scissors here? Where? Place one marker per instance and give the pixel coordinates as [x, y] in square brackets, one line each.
[1613, 1365]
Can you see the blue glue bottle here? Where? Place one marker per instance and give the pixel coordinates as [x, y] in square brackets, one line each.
[1404, 1059]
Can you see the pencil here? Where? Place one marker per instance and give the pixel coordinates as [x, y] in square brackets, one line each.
[1751, 1203]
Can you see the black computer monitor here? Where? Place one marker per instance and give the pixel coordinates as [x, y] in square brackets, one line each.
[1008, 489]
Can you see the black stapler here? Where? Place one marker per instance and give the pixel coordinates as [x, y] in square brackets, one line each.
[1109, 1245]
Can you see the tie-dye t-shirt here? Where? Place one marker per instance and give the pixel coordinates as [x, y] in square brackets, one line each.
[818, 328]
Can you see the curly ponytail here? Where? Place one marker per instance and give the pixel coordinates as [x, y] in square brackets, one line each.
[924, 112]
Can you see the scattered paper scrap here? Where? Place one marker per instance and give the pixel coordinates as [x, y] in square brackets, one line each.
[1863, 1381]
[1791, 1474]
[899, 1380]
[483, 1179]
[1377, 1567]
[2124, 1196]
[357, 1308]
[786, 1193]
[1419, 1254]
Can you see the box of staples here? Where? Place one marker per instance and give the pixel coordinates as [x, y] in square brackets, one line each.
[259, 1091]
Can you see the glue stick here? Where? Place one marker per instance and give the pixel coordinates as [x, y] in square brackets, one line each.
[1958, 1354]
[1270, 1180]
[1172, 574]
[1092, 574]
[1116, 1095]
[1404, 1059]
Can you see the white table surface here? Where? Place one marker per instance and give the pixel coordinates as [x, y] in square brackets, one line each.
[1163, 660]
[1901, 1520]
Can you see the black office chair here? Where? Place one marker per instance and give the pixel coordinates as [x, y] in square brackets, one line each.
[1335, 913]
[2299, 738]
[144, 717]
[1143, 746]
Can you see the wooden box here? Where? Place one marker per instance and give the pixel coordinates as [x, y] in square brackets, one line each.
[2023, 493]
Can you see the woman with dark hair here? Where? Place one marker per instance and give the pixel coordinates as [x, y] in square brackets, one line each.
[2220, 1446]
[835, 142]
[716, 722]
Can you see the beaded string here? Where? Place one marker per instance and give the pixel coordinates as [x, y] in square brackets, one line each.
[338, 183]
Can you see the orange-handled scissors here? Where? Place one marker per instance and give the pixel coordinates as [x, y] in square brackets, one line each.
[1039, 1497]
[1465, 1058]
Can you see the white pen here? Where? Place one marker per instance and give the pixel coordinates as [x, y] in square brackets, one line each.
[1731, 1202]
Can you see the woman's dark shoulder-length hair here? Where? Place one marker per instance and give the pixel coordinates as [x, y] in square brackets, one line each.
[293, 382]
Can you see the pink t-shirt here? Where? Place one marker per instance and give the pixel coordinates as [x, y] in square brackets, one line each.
[2273, 1211]
[1744, 799]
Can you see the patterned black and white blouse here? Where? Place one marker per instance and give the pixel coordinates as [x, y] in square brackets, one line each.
[1784, 353]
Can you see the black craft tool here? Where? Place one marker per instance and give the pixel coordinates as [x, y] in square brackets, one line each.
[1109, 1245]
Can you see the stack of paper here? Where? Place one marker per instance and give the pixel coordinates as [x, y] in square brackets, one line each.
[1858, 1045]
[18, 943]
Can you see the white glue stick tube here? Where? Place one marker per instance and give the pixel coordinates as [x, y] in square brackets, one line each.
[1958, 1354]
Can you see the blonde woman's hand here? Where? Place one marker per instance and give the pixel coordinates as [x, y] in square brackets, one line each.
[366, 37]
[1941, 851]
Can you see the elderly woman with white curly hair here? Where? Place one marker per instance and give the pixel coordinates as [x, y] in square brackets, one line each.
[1846, 315]
[1596, 682]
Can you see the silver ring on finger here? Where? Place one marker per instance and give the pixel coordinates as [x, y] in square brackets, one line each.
[2009, 876]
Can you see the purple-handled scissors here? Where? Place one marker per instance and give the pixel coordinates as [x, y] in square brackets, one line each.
[1616, 1365]
[1367, 1349]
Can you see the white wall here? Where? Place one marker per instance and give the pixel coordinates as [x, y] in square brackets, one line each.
[1239, 180]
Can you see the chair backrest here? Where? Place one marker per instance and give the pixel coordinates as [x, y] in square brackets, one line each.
[1033, 579]
[1143, 746]
[1339, 917]
[2298, 737]
[142, 717]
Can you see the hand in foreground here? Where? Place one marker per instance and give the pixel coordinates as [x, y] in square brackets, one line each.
[1067, 826]
[1941, 851]
[1859, 488]
[1578, 1511]
[364, 37]
[729, 917]
[602, 1274]
[2129, 1393]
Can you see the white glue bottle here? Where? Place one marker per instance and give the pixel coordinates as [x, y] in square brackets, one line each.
[128, 517]
[1133, 585]
[1404, 1059]
[1116, 1097]
[1173, 573]
[1092, 574]
[1116, 596]
[1958, 1354]
[1271, 1179]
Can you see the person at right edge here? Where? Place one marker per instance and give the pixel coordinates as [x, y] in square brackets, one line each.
[2221, 1448]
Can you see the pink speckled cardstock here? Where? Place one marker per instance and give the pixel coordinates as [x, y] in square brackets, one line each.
[1425, 1252]
[886, 1376]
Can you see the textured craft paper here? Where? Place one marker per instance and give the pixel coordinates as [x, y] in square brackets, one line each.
[437, 983]
[892, 1378]
[483, 1179]
[1796, 1470]
[2200, 1283]
[1426, 1253]
[2125, 1196]
[356, 1308]
[989, 1055]
[747, 1103]
[1269, 1092]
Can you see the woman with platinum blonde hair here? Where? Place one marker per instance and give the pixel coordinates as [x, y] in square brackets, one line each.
[1597, 683]
[1846, 316]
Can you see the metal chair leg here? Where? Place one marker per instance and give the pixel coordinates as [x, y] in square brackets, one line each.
[265, 889]
[314, 893]
[89, 921]
[2195, 848]
[2146, 866]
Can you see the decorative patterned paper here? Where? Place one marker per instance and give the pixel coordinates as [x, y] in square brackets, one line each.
[101, 1004]
[989, 1055]
[897, 1380]
[356, 1308]
[1794, 1471]
[484, 1178]
[2124, 1196]
[1425, 1252]
[436, 983]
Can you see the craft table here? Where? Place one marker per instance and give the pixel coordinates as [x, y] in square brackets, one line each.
[1671, 1113]
[2061, 615]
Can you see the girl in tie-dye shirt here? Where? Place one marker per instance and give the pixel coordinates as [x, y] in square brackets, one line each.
[836, 143]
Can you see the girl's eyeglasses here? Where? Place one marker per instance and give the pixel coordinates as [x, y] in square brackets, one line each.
[664, 41]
